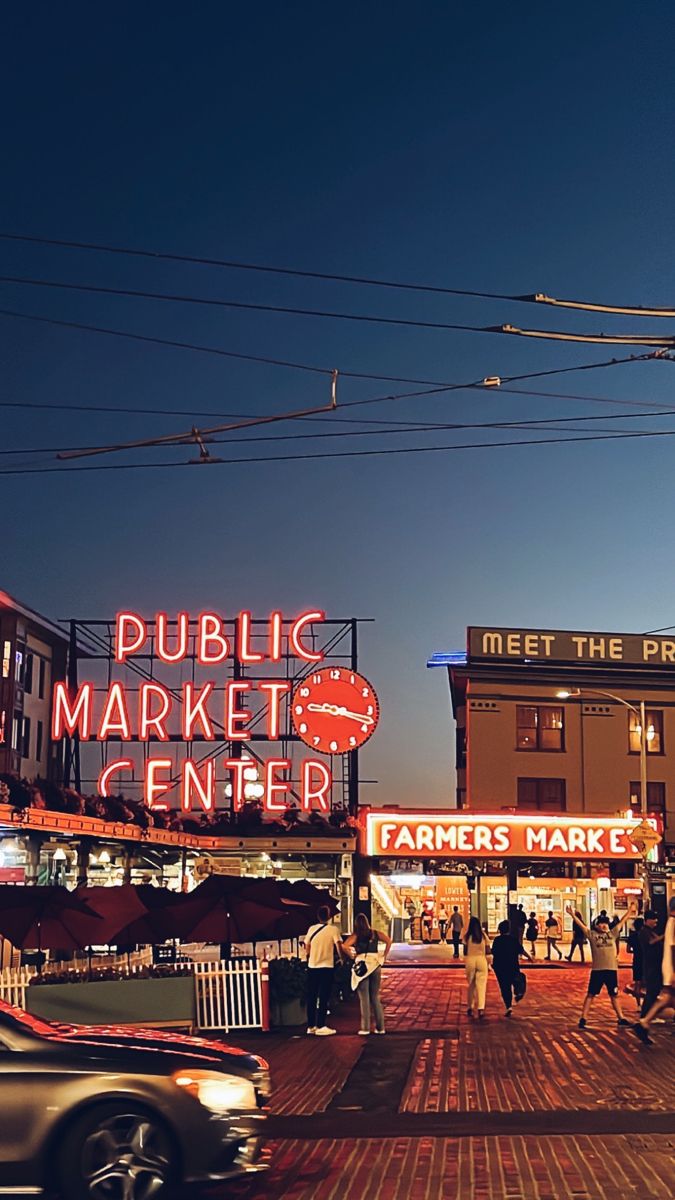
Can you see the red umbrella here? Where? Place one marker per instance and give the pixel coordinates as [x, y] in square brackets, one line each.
[157, 923]
[227, 909]
[45, 918]
[113, 908]
[309, 894]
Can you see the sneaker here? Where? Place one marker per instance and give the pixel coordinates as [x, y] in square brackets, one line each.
[643, 1034]
[325, 1031]
[312, 1029]
[623, 1023]
[582, 1022]
[508, 1012]
[380, 1031]
[362, 1032]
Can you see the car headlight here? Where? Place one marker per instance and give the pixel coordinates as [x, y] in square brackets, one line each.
[218, 1092]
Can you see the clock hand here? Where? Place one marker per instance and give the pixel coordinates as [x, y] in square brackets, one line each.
[336, 710]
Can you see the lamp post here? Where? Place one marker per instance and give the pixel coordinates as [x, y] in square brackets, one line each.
[641, 716]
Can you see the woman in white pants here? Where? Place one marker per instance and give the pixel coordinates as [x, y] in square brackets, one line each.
[476, 950]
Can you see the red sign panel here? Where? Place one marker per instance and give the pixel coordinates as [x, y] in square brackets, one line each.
[468, 835]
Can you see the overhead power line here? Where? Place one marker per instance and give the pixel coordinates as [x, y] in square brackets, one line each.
[327, 314]
[425, 427]
[336, 454]
[636, 310]
[344, 374]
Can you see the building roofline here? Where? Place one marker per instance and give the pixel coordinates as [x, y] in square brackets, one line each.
[8, 602]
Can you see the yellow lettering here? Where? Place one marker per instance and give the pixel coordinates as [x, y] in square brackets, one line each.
[650, 647]
[579, 642]
[615, 648]
[493, 643]
[513, 643]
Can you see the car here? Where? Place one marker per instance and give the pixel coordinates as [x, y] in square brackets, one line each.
[116, 1113]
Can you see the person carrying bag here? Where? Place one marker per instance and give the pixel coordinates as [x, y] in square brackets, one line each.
[363, 945]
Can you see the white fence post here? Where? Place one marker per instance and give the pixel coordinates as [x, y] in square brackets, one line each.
[228, 995]
[13, 984]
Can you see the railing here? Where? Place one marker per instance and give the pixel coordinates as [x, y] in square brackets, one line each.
[228, 995]
[231, 995]
[13, 984]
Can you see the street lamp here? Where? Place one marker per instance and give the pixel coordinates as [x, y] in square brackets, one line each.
[646, 735]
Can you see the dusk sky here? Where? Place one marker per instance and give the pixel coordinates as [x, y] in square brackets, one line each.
[502, 148]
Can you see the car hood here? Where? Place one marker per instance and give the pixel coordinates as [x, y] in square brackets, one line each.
[146, 1040]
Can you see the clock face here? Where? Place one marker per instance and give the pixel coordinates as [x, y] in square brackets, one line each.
[335, 710]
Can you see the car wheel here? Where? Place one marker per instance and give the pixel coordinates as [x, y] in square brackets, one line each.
[117, 1152]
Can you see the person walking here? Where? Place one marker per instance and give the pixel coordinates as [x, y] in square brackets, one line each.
[456, 926]
[363, 946]
[476, 950]
[552, 935]
[604, 969]
[652, 960]
[532, 933]
[506, 951]
[427, 920]
[634, 947]
[520, 921]
[321, 942]
[666, 997]
[442, 923]
[578, 936]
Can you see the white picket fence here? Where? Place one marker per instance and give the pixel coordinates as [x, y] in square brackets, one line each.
[228, 995]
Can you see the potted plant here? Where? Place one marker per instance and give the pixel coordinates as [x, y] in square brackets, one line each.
[288, 991]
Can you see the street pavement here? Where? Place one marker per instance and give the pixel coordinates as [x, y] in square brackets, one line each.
[530, 1108]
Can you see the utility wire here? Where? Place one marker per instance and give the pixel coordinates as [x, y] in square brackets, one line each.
[369, 318]
[138, 337]
[405, 427]
[259, 267]
[637, 310]
[335, 454]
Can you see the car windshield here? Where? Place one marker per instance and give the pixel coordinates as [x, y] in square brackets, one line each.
[14, 1018]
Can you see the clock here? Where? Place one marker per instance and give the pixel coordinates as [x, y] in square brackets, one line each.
[334, 710]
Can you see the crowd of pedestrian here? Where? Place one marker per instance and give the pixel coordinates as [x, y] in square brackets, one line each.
[366, 949]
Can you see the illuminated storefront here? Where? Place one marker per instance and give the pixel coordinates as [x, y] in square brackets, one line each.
[428, 862]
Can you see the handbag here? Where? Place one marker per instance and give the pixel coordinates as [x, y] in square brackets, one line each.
[363, 966]
[520, 985]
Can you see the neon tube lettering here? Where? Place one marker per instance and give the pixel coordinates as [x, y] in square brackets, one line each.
[194, 710]
[118, 764]
[211, 634]
[130, 634]
[319, 792]
[297, 646]
[115, 718]
[193, 782]
[233, 714]
[275, 689]
[182, 633]
[75, 717]
[154, 787]
[276, 787]
[148, 720]
[245, 651]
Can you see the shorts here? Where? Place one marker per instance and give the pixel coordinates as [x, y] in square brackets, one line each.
[601, 979]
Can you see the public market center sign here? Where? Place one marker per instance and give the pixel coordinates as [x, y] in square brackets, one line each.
[334, 710]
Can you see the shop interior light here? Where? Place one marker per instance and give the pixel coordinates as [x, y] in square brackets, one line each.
[59, 854]
[382, 896]
[603, 882]
[104, 857]
[408, 880]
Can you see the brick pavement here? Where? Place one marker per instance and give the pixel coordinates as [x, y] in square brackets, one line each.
[593, 1110]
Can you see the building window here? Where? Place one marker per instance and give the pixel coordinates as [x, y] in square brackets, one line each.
[654, 732]
[17, 726]
[38, 740]
[6, 659]
[539, 727]
[541, 795]
[656, 799]
[25, 741]
[20, 658]
[41, 679]
[28, 678]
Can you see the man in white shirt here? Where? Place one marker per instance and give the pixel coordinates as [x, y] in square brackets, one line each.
[321, 942]
[667, 994]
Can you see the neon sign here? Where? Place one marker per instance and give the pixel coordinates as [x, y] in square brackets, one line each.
[210, 711]
[468, 835]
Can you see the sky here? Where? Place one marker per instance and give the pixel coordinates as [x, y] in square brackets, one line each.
[506, 148]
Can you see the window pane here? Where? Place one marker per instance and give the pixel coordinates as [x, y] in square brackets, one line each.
[526, 727]
[654, 732]
[552, 793]
[527, 793]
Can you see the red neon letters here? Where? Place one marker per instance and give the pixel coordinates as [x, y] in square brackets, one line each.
[173, 635]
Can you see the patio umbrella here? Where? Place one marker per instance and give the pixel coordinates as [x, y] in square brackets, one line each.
[156, 923]
[227, 909]
[44, 918]
[112, 908]
[308, 893]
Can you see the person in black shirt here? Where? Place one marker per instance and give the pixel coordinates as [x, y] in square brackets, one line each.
[651, 946]
[634, 946]
[506, 950]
